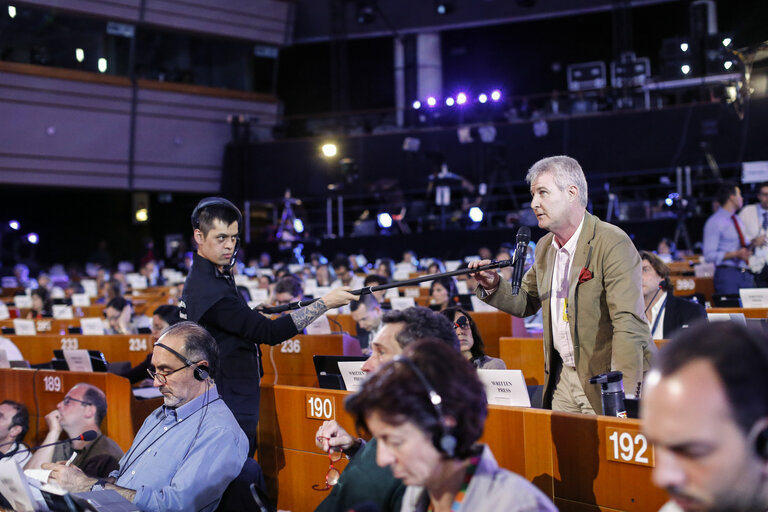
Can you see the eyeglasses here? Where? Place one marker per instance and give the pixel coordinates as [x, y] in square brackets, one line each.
[68, 399]
[462, 323]
[332, 476]
[162, 378]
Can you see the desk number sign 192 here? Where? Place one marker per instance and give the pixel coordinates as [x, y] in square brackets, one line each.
[628, 446]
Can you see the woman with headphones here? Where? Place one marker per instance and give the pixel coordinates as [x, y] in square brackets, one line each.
[427, 409]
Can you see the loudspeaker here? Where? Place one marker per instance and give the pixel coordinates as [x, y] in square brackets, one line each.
[444, 441]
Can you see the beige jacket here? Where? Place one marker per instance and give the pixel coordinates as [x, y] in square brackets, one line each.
[607, 321]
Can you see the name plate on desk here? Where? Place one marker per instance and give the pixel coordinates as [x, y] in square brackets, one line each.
[22, 301]
[400, 303]
[24, 327]
[63, 312]
[4, 313]
[78, 360]
[628, 446]
[321, 407]
[505, 387]
[93, 326]
[352, 374]
[754, 297]
[81, 300]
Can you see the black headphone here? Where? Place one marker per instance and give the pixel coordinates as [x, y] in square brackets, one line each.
[200, 372]
[444, 441]
[218, 201]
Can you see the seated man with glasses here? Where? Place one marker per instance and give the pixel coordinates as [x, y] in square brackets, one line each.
[81, 410]
[187, 451]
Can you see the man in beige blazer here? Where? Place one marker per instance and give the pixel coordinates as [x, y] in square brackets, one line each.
[587, 280]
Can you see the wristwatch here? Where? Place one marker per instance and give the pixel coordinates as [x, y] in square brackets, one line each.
[99, 485]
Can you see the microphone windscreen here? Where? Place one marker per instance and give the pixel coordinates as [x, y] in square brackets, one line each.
[524, 235]
[88, 435]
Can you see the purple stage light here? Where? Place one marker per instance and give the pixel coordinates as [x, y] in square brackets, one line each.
[431, 101]
[483, 98]
[496, 95]
[461, 98]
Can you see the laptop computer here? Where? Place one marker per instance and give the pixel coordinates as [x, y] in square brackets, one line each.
[98, 361]
[328, 373]
[726, 301]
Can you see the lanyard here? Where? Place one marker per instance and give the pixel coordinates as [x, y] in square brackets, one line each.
[658, 315]
[473, 462]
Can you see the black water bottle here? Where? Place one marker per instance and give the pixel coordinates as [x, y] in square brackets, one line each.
[612, 393]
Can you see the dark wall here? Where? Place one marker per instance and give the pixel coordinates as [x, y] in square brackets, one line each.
[611, 143]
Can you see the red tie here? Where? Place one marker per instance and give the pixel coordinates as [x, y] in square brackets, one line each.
[738, 230]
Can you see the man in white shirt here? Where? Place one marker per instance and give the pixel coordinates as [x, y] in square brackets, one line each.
[754, 217]
[366, 312]
[664, 312]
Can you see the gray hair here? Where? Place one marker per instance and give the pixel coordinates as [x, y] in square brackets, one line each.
[565, 170]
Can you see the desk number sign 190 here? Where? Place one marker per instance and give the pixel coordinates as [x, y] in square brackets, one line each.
[628, 446]
[321, 407]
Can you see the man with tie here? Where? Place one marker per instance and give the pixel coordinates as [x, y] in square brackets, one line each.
[725, 243]
[755, 220]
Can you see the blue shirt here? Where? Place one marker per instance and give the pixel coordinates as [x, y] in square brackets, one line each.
[720, 237]
[183, 459]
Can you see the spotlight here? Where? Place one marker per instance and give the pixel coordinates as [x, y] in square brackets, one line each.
[461, 98]
[366, 11]
[483, 98]
[33, 238]
[79, 54]
[476, 214]
[450, 101]
[142, 215]
[385, 220]
[727, 64]
[14, 225]
[683, 47]
[416, 105]
[496, 95]
[444, 7]
[685, 68]
[727, 42]
[329, 149]
[431, 101]
[298, 225]
[11, 11]
[102, 65]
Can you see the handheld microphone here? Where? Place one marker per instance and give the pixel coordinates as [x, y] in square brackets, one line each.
[88, 435]
[518, 265]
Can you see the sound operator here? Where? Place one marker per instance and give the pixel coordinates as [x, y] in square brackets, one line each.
[212, 300]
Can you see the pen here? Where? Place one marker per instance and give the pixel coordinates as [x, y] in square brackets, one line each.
[74, 454]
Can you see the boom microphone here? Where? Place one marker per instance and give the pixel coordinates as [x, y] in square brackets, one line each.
[518, 262]
[88, 435]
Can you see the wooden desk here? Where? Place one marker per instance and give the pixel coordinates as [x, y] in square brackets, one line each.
[493, 325]
[748, 312]
[690, 285]
[115, 347]
[47, 325]
[565, 455]
[291, 362]
[42, 390]
[527, 354]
